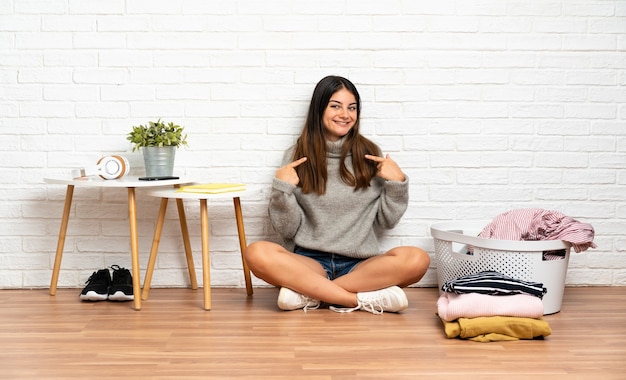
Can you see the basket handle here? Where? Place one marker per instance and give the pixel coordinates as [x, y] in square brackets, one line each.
[453, 231]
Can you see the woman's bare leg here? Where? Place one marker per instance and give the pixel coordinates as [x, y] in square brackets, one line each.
[401, 266]
[277, 266]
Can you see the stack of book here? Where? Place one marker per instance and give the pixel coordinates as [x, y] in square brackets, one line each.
[213, 188]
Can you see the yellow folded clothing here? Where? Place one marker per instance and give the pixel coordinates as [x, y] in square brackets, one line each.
[498, 328]
[213, 188]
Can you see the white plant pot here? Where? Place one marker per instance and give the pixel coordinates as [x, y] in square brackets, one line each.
[159, 160]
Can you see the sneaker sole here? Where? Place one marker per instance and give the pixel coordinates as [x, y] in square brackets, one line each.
[120, 296]
[93, 296]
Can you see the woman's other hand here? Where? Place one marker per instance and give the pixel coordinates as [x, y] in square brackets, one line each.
[387, 168]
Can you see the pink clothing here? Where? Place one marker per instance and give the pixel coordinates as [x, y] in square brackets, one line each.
[451, 306]
[540, 224]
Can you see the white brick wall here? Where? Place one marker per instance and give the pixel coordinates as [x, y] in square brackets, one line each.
[487, 105]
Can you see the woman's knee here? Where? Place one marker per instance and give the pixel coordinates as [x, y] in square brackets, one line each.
[254, 253]
[422, 259]
[414, 260]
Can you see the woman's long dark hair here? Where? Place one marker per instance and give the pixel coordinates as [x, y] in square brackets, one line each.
[313, 173]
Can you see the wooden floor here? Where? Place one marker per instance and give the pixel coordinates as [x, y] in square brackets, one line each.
[58, 337]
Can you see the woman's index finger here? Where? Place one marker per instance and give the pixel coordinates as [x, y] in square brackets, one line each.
[374, 158]
[297, 162]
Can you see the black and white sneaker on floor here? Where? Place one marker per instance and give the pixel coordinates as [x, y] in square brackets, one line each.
[121, 288]
[97, 288]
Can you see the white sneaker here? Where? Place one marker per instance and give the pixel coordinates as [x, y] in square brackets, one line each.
[290, 300]
[392, 299]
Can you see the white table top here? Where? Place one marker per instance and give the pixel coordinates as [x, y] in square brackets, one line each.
[127, 181]
[175, 194]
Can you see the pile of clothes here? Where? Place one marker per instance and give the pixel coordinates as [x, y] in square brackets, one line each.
[489, 306]
[540, 224]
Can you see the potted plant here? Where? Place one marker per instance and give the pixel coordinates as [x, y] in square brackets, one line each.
[158, 141]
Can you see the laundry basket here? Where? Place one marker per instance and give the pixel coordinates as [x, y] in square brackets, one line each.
[459, 252]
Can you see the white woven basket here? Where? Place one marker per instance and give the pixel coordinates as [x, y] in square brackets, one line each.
[524, 260]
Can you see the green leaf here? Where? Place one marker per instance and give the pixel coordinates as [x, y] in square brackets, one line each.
[157, 134]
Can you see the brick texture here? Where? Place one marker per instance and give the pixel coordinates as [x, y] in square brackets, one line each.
[486, 105]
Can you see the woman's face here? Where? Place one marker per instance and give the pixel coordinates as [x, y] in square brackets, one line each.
[340, 114]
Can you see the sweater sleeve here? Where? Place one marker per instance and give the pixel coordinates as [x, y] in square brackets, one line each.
[393, 203]
[284, 211]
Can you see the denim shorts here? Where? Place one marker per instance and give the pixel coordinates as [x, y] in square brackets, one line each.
[334, 264]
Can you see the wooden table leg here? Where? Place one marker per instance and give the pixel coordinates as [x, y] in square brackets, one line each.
[242, 244]
[188, 253]
[61, 242]
[154, 249]
[206, 261]
[134, 247]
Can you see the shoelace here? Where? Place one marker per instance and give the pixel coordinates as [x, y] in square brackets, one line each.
[311, 304]
[94, 276]
[374, 308]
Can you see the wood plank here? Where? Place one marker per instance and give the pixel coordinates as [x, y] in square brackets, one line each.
[172, 337]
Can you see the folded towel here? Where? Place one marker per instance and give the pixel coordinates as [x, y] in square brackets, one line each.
[451, 306]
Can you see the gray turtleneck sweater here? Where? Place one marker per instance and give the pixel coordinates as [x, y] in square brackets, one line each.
[342, 221]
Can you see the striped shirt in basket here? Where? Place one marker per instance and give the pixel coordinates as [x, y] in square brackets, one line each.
[493, 283]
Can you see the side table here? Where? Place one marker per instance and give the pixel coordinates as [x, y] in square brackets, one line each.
[165, 195]
[128, 182]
